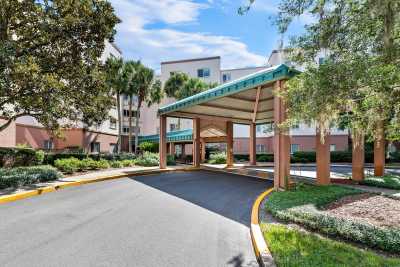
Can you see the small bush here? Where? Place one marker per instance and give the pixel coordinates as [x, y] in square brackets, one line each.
[15, 157]
[20, 176]
[171, 160]
[217, 158]
[149, 147]
[50, 158]
[127, 163]
[70, 165]
[116, 164]
[148, 159]
[39, 157]
[265, 158]
[387, 181]
[103, 164]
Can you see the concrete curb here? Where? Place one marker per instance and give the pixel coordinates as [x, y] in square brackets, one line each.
[48, 189]
[261, 250]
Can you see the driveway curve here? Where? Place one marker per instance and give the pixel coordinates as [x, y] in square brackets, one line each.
[173, 219]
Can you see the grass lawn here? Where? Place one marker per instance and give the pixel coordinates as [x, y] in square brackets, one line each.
[292, 248]
[387, 181]
[305, 206]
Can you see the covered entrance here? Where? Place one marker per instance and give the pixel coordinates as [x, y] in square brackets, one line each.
[250, 100]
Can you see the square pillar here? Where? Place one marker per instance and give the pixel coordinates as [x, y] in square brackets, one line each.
[281, 143]
[379, 151]
[203, 151]
[196, 142]
[253, 145]
[358, 157]
[163, 142]
[323, 155]
[172, 149]
[229, 144]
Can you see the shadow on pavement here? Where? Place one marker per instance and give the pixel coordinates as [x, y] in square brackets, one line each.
[228, 195]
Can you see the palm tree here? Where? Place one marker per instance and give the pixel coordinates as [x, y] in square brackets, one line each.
[114, 79]
[147, 89]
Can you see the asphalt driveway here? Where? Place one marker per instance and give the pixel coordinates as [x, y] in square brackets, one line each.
[172, 219]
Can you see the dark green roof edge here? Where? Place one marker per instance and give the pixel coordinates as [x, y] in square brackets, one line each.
[253, 80]
[175, 136]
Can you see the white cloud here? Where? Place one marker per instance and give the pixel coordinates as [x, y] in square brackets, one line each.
[155, 44]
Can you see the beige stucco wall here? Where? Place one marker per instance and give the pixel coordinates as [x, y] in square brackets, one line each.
[7, 136]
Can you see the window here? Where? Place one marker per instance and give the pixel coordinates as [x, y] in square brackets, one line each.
[113, 148]
[113, 123]
[48, 144]
[226, 77]
[126, 113]
[203, 73]
[294, 148]
[321, 60]
[95, 147]
[173, 127]
[158, 130]
[332, 147]
[125, 129]
[261, 148]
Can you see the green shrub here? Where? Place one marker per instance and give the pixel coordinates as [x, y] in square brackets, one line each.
[241, 157]
[70, 165]
[265, 157]
[116, 164]
[148, 159]
[217, 158]
[171, 160]
[39, 157]
[149, 147]
[103, 164]
[303, 206]
[20, 176]
[387, 181]
[127, 163]
[50, 158]
[15, 157]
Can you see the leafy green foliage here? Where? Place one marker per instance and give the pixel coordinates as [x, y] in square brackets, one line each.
[49, 60]
[303, 206]
[387, 181]
[180, 86]
[71, 165]
[15, 157]
[148, 159]
[171, 160]
[149, 146]
[21, 176]
[217, 158]
[292, 248]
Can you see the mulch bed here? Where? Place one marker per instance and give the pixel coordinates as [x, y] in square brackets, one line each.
[371, 208]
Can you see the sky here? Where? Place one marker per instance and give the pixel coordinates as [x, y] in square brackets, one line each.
[161, 30]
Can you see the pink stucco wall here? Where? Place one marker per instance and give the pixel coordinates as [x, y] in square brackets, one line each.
[8, 135]
[35, 136]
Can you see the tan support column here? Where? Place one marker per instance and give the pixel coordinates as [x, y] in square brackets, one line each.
[163, 142]
[196, 142]
[252, 145]
[358, 157]
[172, 149]
[183, 147]
[229, 144]
[323, 155]
[379, 151]
[203, 151]
[281, 143]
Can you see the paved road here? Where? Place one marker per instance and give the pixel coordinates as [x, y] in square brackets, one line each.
[176, 219]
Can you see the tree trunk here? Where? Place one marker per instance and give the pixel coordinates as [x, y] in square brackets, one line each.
[130, 124]
[119, 143]
[137, 125]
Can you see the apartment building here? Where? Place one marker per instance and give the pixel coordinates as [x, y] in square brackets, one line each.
[98, 138]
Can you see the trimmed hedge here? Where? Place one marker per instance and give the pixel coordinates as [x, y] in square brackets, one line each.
[302, 207]
[72, 165]
[387, 181]
[217, 158]
[20, 176]
[16, 157]
[148, 159]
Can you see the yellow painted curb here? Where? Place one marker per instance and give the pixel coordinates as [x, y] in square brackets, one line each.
[260, 247]
[48, 189]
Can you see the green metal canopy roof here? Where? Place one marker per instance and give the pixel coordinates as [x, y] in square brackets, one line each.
[175, 136]
[266, 76]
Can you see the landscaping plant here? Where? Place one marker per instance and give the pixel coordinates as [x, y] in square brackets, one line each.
[20, 176]
[217, 158]
[387, 181]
